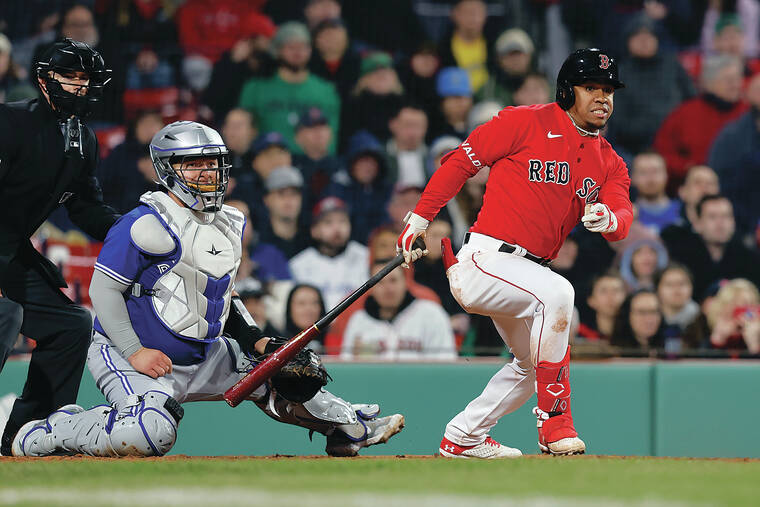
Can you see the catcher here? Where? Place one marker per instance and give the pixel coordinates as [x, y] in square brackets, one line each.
[170, 329]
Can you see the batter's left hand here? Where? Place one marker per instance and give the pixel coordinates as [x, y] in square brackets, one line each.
[415, 227]
[599, 218]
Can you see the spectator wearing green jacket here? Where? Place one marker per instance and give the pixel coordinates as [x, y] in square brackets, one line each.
[278, 101]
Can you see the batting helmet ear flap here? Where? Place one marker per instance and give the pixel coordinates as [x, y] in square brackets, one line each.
[565, 95]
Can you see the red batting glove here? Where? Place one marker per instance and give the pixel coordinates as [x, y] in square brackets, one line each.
[414, 228]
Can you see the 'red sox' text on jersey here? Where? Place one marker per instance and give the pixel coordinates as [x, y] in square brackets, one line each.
[543, 173]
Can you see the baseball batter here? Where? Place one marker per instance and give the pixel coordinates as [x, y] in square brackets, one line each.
[550, 169]
[163, 294]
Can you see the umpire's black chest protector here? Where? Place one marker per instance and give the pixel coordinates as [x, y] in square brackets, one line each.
[37, 176]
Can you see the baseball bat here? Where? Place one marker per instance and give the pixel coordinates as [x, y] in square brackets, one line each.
[282, 356]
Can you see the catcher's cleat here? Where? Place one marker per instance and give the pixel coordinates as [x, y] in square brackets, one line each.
[561, 435]
[366, 411]
[377, 431]
[489, 449]
[35, 438]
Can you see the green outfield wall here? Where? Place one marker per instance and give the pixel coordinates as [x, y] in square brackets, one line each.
[701, 409]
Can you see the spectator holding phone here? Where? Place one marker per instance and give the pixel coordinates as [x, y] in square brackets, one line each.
[734, 317]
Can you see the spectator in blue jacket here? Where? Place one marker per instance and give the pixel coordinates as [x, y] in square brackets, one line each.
[362, 185]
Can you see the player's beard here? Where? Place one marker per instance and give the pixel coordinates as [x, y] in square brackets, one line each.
[597, 124]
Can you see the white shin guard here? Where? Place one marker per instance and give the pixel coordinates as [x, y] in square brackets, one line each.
[145, 427]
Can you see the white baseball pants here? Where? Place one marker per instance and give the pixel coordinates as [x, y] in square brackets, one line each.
[532, 308]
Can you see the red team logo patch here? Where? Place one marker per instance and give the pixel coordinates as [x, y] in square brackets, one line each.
[604, 62]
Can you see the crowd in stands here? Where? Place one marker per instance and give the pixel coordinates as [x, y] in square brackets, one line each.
[337, 112]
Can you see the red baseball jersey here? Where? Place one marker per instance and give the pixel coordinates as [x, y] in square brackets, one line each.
[543, 173]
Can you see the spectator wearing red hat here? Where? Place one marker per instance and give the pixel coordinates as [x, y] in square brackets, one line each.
[208, 28]
[336, 265]
[248, 58]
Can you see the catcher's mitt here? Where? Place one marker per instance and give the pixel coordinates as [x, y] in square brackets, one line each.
[301, 378]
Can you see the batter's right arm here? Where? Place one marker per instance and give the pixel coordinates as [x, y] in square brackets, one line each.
[489, 142]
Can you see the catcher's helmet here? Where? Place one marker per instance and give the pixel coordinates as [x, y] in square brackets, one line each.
[65, 57]
[181, 142]
[583, 65]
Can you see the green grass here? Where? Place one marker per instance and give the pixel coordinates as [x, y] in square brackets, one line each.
[382, 481]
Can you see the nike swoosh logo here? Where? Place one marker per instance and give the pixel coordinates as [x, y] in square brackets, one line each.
[552, 136]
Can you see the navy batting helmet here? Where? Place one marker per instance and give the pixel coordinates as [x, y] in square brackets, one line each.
[584, 65]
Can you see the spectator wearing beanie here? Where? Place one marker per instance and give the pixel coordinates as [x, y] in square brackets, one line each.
[363, 186]
[375, 99]
[514, 56]
[277, 101]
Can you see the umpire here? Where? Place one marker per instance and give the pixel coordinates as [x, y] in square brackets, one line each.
[48, 158]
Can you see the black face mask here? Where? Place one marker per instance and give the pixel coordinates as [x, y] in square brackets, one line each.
[65, 58]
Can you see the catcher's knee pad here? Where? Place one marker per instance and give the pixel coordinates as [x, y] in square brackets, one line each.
[146, 427]
[150, 429]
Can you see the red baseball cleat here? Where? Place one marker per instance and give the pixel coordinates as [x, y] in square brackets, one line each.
[557, 435]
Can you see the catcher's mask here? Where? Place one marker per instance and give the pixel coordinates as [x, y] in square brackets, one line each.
[192, 162]
[83, 66]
